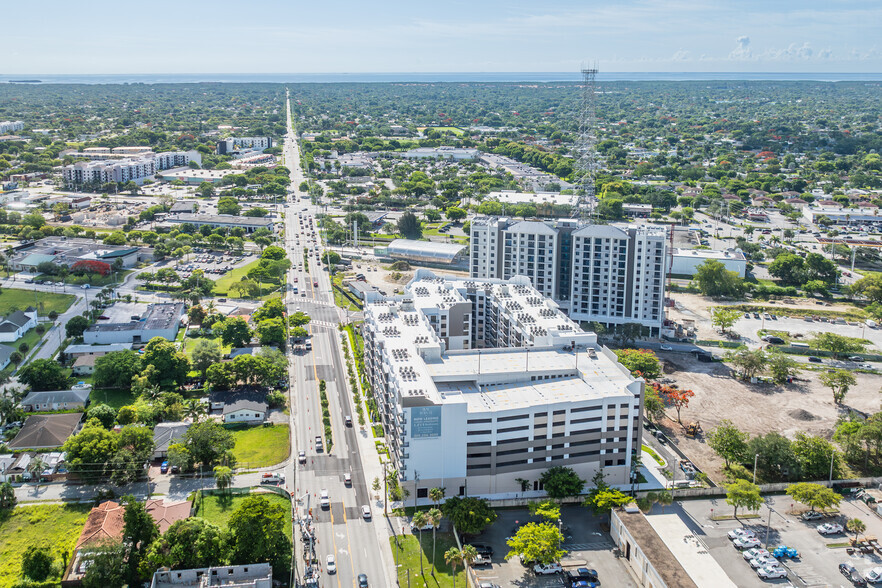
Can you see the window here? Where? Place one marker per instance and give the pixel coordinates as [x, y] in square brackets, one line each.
[509, 418]
[511, 429]
[479, 432]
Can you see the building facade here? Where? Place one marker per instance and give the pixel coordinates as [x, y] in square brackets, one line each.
[10, 126]
[610, 274]
[232, 144]
[482, 384]
[136, 166]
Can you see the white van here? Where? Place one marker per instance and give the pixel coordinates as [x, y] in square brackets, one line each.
[325, 500]
[871, 324]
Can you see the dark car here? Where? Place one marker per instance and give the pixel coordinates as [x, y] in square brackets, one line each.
[849, 571]
[582, 577]
[362, 581]
[855, 358]
[483, 550]
[775, 340]
[813, 359]
[163, 468]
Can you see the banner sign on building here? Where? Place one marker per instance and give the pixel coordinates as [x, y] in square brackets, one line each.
[425, 422]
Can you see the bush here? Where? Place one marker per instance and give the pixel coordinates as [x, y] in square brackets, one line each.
[736, 471]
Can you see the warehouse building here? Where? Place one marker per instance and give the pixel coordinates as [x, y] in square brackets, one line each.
[685, 261]
[128, 324]
[484, 383]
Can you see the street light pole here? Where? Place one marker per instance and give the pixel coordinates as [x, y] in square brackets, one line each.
[755, 458]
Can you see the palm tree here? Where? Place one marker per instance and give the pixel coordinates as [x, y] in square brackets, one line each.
[420, 520]
[194, 409]
[453, 557]
[223, 477]
[37, 466]
[434, 515]
[437, 495]
[857, 527]
[469, 555]
[665, 499]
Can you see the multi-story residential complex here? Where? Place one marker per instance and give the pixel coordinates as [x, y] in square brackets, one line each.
[610, 274]
[482, 384]
[226, 146]
[9, 126]
[107, 168]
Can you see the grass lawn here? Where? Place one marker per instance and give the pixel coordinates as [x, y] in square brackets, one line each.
[190, 343]
[46, 302]
[258, 447]
[32, 338]
[454, 130]
[55, 525]
[408, 558]
[114, 398]
[219, 509]
[222, 285]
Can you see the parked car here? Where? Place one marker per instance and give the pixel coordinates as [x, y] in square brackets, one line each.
[764, 561]
[856, 358]
[770, 572]
[813, 359]
[849, 571]
[484, 550]
[272, 478]
[583, 574]
[739, 533]
[830, 529]
[746, 543]
[163, 468]
[875, 575]
[812, 515]
[666, 347]
[755, 552]
[547, 569]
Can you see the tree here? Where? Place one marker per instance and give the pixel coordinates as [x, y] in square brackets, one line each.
[271, 332]
[7, 496]
[273, 308]
[208, 442]
[36, 563]
[814, 495]
[675, 397]
[409, 226]
[434, 517]
[781, 366]
[607, 499]
[775, 457]
[187, 544]
[420, 520]
[44, 374]
[139, 532]
[105, 414]
[115, 238]
[814, 456]
[234, 331]
[713, 279]
[470, 515]
[171, 365]
[856, 526]
[561, 482]
[640, 362]
[453, 557]
[839, 381]
[455, 213]
[789, 268]
[299, 319]
[107, 565]
[206, 352]
[116, 369]
[536, 543]
[838, 345]
[819, 268]
[257, 530]
[743, 494]
[653, 405]
[749, 363]
[196, 314]
[547, 509]
[870, 286]
[728, 442]
[228, 205]
[180, 456]
[75, 326]
[724, 317]
[223, 477]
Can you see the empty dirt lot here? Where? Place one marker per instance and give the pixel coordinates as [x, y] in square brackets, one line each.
[805, 405]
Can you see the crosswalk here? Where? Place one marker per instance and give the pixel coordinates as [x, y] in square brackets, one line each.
[326, 324]
[595, 546]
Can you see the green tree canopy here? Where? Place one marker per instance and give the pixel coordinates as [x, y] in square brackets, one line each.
[728, 442]
[814, 495]
[205, 353]
[561, 482]
[640, 362]
[409, 226]
[75, 326]
[743, 494]
[257, 534]
[44, 374]
[187, 544]
[536, 543]
[171, 365]
[208, 442]
[713, 279]
[115, 369]
[470, 515]
[234, 331]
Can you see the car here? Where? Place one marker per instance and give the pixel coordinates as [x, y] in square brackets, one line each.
[331, 564]
[746, 315]
[756, 315]
[347, 479]
[163, 468]
[746, 543]
[812, 515]
[175, 469]
[875, 575]
[86, 286]
[754, 553]
[318, 442]
[348, 420]
[426, 527]
[666, 348]
[813, 359]
[315, 284]
[272, 478]
[775, 340]
[739, 533]
[830, 529]
[849, 571]
[362, 581]
[484, 550]
[325, 499]
[547, 569]
[301, 457]
[584, 574]
[366, 512]
[770, 572]
[764, 561]
[855, 358]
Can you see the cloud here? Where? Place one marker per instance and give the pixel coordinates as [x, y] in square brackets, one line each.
[681, 55]
[742, 49]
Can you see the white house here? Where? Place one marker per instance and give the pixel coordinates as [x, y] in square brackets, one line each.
[240, 407]
[16, 324]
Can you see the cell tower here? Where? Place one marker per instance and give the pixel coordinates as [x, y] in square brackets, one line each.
[586, 164]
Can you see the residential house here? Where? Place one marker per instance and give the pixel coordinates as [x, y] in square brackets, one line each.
[7, 460]
[84, 365]
[167, 513]
[5, 355]
[75, 351]
[240, 407]
[46, 431]
[165, 434]
[55, 400]
[16, 324]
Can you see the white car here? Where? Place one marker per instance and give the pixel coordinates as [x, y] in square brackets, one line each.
[332, 564]
[812, 515]
[739, 533]
[830, 529]
[874, 575]
[755, 552]
[301, 457]
[548, 569]
[667, 348]
[770, 572]
[763, 562]
[746, 543]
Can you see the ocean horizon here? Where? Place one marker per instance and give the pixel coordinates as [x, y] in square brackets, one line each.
[438, 77]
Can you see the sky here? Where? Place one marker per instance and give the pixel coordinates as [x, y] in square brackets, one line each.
[358, 36]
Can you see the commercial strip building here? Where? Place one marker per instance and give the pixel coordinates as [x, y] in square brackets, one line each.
[142, 166]
[684, 262]
[455, 153]
[483, 383]
[423, 251]
[249, 223]
[510, 197]
[610, 274]
[68, 251]
[194, 177]
[132, 323]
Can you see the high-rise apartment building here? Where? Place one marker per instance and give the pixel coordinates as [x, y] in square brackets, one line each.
[10, 126]
[610, 274]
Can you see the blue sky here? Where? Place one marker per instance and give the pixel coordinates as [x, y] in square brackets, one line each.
[275, 36]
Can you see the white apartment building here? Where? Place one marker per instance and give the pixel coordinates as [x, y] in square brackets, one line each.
[615, 280]
[231, 144]
[482, 384]
[137, 169]
[9, 126]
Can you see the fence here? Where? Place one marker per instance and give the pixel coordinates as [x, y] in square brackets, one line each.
[776, 488]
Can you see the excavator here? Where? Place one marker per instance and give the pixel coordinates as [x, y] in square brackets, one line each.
[693, 429]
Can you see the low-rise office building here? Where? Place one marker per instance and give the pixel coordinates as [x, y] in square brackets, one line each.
[457, 153]
[684, 262]
[10, 126]
[235, 144]
[484, 383]
[68, 251]
[118, 166]
[157, 320]
[249, 223]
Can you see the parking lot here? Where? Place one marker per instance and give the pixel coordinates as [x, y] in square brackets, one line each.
[748, 327]
[588, 543]
[817, 564]
[213, 263]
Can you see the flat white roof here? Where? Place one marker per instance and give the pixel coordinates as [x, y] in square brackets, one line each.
[701, 566]
[733, 254]
[508, 197]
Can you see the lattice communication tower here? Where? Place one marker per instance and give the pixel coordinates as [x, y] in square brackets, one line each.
[586, 163]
